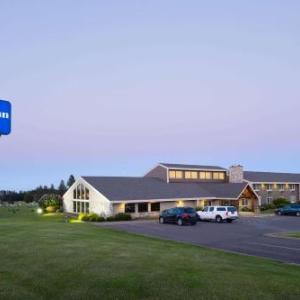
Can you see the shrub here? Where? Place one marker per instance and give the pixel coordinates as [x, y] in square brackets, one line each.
[280, 202]
[50, 200]
[246, 209]
[51, 209]
[120, 217]
[267, 206]
[199, 208]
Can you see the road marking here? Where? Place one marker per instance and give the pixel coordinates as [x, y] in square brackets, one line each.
[275, 246]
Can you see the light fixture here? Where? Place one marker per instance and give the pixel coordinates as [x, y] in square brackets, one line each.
[39, 210]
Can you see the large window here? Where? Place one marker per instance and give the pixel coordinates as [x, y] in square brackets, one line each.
[176, 174]
[129, 208]
[208, 175]
[202, 175]
[81, 192]
[218, 176]
[81, 207]
[143, 207]
[191, 175]
[155, 206]
[292, 187]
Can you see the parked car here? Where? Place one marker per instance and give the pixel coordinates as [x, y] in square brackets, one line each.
[291, 210]
[218, 213]
[179, 216]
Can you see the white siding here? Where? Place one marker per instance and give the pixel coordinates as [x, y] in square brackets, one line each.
[98, 203]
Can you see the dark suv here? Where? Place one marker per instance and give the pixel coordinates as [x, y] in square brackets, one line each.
[291, 209]
[179, 215]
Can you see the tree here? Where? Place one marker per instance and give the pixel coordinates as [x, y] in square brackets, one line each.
[71, 180]
[62, 187]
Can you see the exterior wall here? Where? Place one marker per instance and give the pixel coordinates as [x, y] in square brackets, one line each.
[292, 196]
[236, 174]
[97, 202]
[158, 172]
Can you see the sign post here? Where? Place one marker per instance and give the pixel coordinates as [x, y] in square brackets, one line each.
[5, 117]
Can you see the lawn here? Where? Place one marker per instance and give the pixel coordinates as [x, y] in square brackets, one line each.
[294, 234]
[42, 257]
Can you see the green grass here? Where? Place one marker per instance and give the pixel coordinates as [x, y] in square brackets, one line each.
[293, 234]
[42, 257]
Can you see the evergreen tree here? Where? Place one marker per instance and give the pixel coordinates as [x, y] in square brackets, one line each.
[71, 180]
[62, 187]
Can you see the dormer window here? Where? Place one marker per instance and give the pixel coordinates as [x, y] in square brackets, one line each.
[176, 175]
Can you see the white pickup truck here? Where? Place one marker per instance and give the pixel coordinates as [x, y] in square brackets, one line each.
[218, 213]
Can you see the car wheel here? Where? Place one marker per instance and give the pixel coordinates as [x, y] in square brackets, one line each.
[279, 213]
[193, 223]
[161, 220]
[179, 222]
[219, 219]
[298, 213]
[229, 221]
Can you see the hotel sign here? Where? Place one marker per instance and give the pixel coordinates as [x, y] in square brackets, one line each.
[5, 117]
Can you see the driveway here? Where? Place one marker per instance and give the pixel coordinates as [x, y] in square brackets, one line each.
[247, 235]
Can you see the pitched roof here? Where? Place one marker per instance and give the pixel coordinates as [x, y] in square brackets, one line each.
[191, 167]
[271, 177]
[147, 188]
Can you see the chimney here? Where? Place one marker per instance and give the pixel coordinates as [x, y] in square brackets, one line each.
[236, 174]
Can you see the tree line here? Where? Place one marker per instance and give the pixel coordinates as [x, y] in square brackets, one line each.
[36, 194]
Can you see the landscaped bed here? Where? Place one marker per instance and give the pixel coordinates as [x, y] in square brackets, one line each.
[43, 257]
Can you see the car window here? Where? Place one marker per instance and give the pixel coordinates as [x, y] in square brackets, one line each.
[211, 208]
[189, 210]
[205, 209]
[231, 208]
[221, 209]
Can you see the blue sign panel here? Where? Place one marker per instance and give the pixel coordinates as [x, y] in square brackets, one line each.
[5, 117]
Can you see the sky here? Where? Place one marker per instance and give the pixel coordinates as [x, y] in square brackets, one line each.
[113, 87]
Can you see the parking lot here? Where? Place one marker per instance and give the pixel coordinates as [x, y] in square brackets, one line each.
[248, 235]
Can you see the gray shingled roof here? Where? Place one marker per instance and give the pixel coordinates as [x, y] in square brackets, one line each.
[146, 188]
[191, 167]
[271, 177]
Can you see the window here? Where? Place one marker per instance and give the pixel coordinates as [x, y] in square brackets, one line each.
[221, 209]
[176, 174]
[211, 208]
[172, 174]
[189, 210]
[129, 208]
[202, 175]
[216, 175]
[205, 209]
[80, 192]
[207, 175]
[81, 207]
[256, 187]
[155, 206]
[269, 200]
[194, 175]
[143, 207]
[245, 202]
[221, 175]
[269, 187]
[190, 175]
[292, 187]
[280, 187]
[187, 175]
